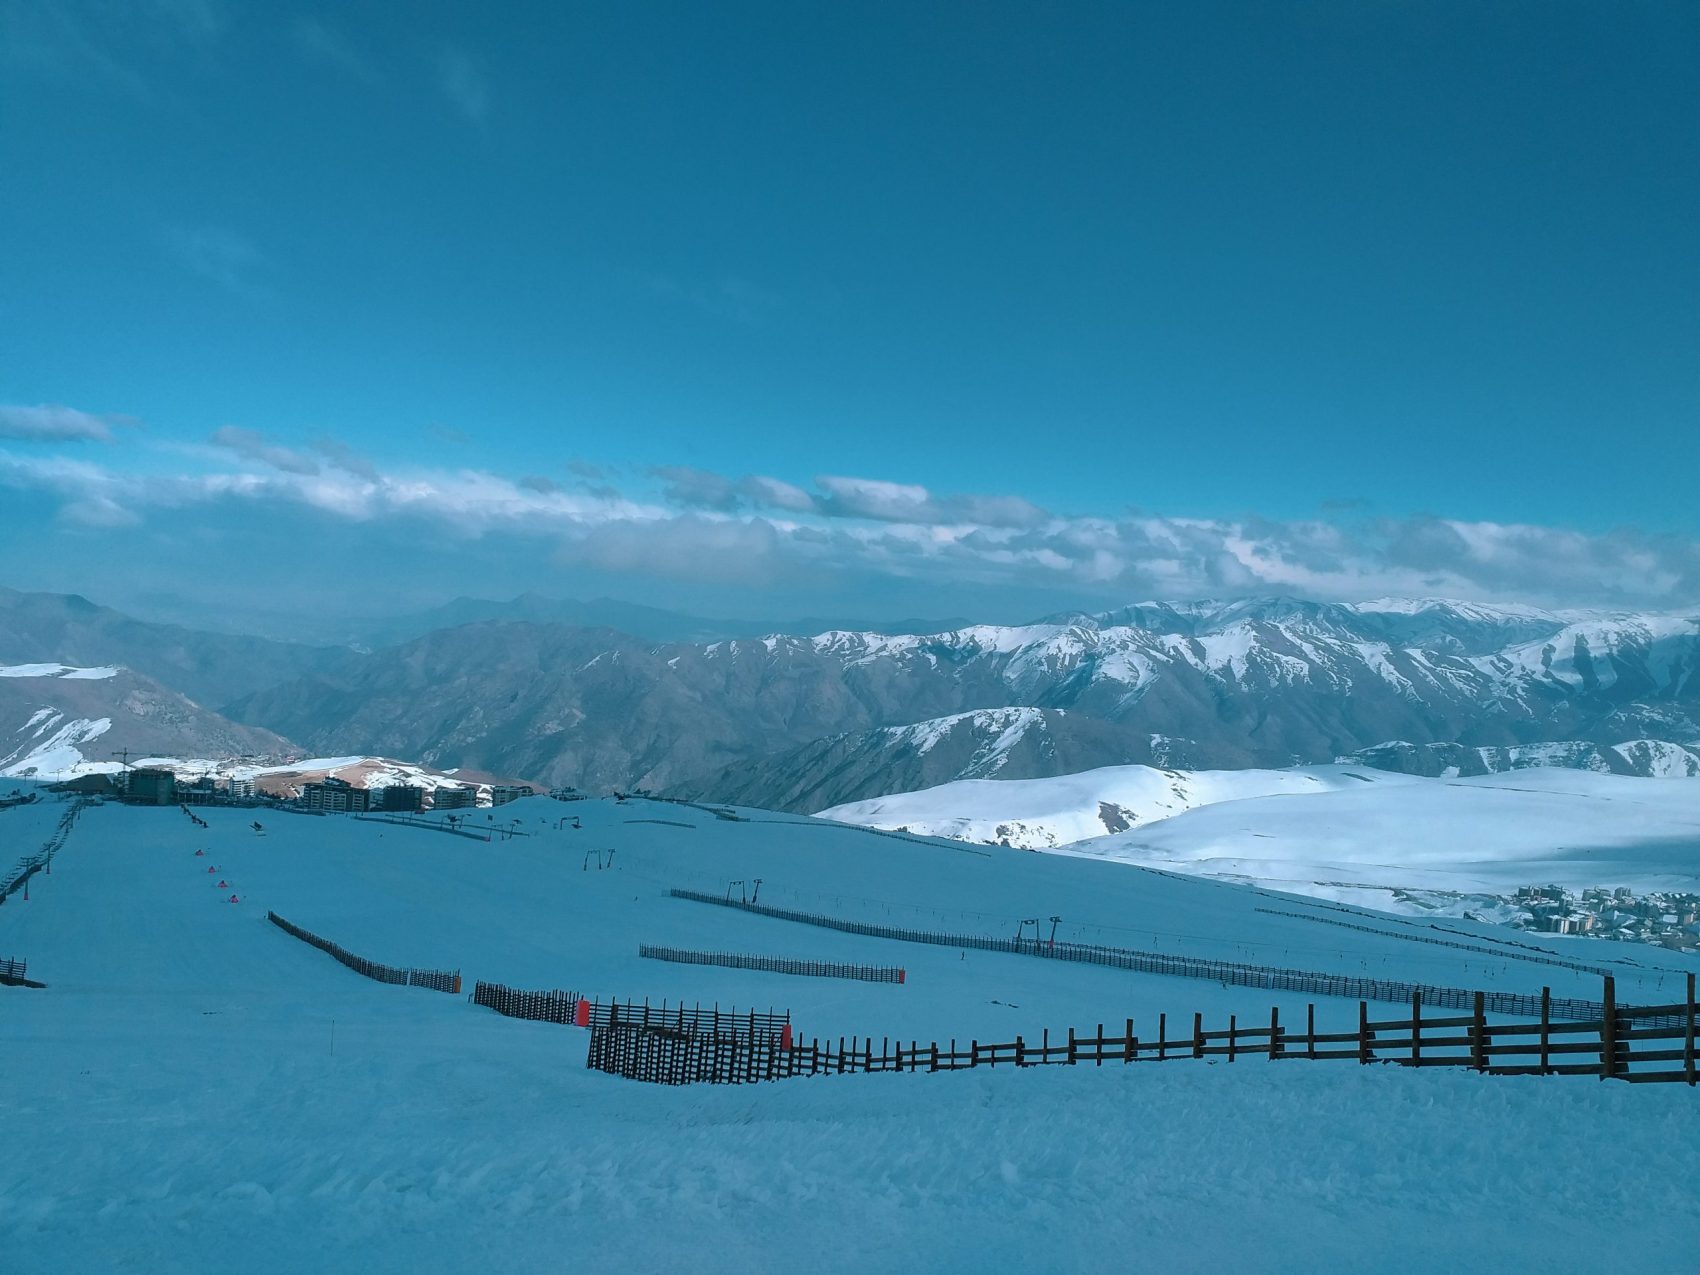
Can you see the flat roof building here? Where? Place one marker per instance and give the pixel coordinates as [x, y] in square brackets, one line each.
[333, 794]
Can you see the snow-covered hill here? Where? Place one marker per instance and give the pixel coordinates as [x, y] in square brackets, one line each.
[1484, 835]
[1336, 831]
[196, 1091]
[1034, 813]
[58, 721]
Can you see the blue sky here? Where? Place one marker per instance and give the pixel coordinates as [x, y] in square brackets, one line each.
[867, 308]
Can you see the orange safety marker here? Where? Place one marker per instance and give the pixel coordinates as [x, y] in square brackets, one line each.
[581, 1015]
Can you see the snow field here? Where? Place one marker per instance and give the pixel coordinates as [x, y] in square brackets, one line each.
[196, 1091]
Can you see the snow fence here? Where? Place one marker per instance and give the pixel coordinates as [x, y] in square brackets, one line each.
[569, 1008]
[1271, 978]
[777, 964]
[435, 980]
[1625, 1043]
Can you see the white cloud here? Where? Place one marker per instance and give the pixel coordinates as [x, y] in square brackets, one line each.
[710, 528]
[54, 422]
[252, 445]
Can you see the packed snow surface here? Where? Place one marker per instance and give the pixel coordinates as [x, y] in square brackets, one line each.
[1032, 813]
[1485, 834]
[1333, 831]
[196, 1091]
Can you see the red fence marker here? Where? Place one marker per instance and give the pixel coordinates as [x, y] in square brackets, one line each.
[902, 976]
[581, 1015]
[234, 899]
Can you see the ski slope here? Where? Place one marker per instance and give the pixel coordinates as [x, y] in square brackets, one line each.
[1487, 834]
[1338, 832]
[1043, 813]
[197, 1091]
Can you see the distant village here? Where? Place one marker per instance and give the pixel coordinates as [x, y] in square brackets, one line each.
[157, 786]
[1668, 918]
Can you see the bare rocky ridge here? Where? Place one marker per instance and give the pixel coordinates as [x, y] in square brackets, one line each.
[805, 722]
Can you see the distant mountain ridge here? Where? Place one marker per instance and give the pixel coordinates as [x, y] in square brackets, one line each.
[803, 722]
[210, 668]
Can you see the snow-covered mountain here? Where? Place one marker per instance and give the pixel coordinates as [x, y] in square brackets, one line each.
[1646, 758]
[59, 720]
[804, 722]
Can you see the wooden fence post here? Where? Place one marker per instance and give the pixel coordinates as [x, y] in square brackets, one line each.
[1274, 1032]
[1127, 1055]
[1310, 1030]
[1608, 1031]
[1688, 1036]
[1416, 1026]
[1546, 1030]
[1233, 1035]
[1198, 1035]
[1363, 1032]
[1479, 1035]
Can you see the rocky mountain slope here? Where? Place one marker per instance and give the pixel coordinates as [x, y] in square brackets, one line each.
[807, 722]
[57, 719]
[210, 668]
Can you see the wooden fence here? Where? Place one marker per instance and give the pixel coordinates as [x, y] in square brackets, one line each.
[1623, 1044]
[430, 825]
[572, 1009]
[435, 980]
[668, 1056]
[1270, 978]
[1521, 953]
[777, 964]
[11, 967]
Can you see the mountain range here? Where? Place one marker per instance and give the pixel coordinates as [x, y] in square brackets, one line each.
[807, 721]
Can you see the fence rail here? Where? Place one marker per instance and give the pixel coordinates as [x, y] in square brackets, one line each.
[428, 824]
[17, 877]
[575, 1010]
[1506, 953]
[1269, 978]
[11, 967]
[1623, 1044]
[400, 976]
[777, 964]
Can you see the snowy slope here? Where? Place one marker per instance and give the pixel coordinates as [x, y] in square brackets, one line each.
[1485, 834]
[196, 1091]
[1032, 813]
